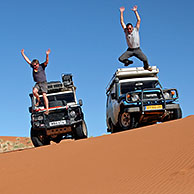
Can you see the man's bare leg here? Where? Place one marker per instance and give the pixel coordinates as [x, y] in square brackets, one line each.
[35, 93]
[46, 103]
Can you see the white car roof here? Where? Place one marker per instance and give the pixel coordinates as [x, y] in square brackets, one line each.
[133, 73]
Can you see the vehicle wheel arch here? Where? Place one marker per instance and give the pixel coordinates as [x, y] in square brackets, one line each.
[39, 138]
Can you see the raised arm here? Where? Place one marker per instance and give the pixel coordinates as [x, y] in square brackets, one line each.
[25, 57]
[47, 57]
[137, 16]
[122, 9]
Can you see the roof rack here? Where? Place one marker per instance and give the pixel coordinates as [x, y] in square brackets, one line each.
[54, 86]
[65, 85]
[136, 72]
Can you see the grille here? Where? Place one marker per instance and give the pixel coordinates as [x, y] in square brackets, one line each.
[57, 116]
[152, 95]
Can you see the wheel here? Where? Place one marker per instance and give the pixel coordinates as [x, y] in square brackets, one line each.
[126, 121]
[57, 139]
[80, 131]
[177, 114]
[113, 128]
[39, 138]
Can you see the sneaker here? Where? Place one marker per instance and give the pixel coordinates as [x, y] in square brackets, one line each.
[129, 62]
[148, 68]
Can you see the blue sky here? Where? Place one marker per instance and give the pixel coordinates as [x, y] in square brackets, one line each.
[86, 39]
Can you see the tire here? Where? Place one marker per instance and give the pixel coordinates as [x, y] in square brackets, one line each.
[39, 138]
[80, 131]
[113, 128]
[57, 139]
[177, 114]
[127, 121]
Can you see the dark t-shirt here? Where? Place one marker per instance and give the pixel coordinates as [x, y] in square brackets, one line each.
[40, 75]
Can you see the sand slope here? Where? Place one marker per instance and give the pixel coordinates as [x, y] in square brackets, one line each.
[157, 159]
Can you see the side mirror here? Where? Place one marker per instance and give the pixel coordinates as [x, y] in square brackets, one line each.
[80, 102]
[116, 80]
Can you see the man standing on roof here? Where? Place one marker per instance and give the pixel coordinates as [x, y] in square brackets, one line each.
[133, 41]
[40, 78]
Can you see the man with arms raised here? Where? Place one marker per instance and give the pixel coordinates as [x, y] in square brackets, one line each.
[39, 76]
[133, 41]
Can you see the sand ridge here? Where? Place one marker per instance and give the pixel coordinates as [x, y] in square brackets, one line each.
[155, 159]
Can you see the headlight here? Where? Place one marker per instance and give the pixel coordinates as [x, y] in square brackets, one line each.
[135, 97]
[167, 95]
[35, 118]
[170, 94]
[132, 97]
[40, 118]
[72, 113]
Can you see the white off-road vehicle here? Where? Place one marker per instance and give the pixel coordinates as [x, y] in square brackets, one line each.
[65, 119]
[136, 98]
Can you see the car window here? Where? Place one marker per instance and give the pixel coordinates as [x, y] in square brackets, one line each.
[133, 86]
[68, 97]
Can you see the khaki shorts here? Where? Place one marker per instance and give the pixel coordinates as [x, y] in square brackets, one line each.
[42, 87]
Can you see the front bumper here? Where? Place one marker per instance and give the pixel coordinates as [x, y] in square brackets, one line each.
[140, 109]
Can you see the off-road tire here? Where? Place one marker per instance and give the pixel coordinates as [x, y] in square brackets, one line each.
[80, 132]
[57, 139]
[39, 138]
[113, 128]
[177, 114]
[126, 121]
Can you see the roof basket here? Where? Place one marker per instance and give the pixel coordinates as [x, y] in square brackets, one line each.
[67, 80]
[54, 86]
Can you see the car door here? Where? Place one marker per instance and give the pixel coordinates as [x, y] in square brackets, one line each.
[113, 107]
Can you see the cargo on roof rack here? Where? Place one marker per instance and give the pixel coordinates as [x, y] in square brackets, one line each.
[65, 85]
[136, 72]
[54, 86]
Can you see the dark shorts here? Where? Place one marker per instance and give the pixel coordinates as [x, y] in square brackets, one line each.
[42, 87]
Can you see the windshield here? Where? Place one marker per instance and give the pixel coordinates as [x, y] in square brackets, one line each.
[59, 99]
[138, 85]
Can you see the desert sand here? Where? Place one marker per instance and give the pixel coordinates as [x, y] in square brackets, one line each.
[157, 159]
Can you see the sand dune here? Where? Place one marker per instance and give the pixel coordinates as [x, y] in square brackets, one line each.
[157, 159]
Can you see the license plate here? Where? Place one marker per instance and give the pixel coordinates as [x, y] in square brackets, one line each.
[153, 107]
[54, 123]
